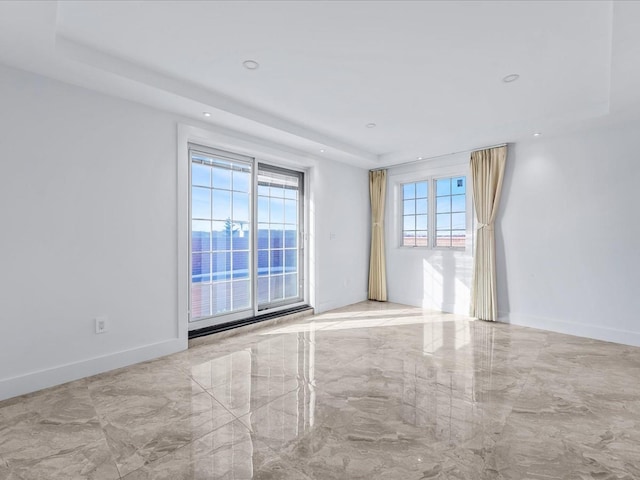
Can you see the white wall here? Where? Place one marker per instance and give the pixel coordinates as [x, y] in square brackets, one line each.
[568, 234]
[340, 206]
[88, 211]
[432, 278]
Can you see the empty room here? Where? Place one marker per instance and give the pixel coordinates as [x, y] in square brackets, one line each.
[319, 240]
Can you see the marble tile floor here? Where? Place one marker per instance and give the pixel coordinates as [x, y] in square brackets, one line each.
[369, 391]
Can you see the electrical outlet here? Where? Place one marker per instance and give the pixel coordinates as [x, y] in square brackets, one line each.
[102, 324]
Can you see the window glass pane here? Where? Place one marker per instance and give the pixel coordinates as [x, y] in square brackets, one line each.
[458, 221]
[240, 207]
[443, 221]
[291, 285]
[201, 203]
[221, 205]
[263, 190]
[458, 238]
[421, 190]
[458, 185]
[263, 289]
[290, 261]
[240, 265]
[277, 192]
[221, 297]
[458, 203]
[290, 236]
[443, 187]
[409, 190]
[289, 193]
[201, 300]
[200, 236]
[276, 234]
[443, 204]
[263, 209]
[221, 178]
[409, 222]
[263, 262]
[421, 222]
[221, 268]
[290, 211]
[421, 206]
[241, 294]
[263, 235]
[409, 207]
[241, 181]
[422, 239]
[277, 260]
[409, 239]
[200, 175]
[240, 239]
[200, 267]
[221, 235]
[277, 288]
[277, 210]
[443, 238]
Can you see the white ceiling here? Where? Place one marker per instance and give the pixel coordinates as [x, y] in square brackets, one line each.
[429, 74]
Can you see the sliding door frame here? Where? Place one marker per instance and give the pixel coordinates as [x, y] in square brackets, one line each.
[303, 238]
[300, 241]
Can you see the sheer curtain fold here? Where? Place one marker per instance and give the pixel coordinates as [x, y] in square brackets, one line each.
[487, 172]
[377, 268]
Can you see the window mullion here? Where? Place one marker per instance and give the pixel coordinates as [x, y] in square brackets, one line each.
[432, 212]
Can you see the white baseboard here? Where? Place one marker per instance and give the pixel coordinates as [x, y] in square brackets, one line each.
[31, 382]
[428, 305]
[332, 305]
[596, 332]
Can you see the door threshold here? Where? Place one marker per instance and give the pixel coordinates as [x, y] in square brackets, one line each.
[236, 324]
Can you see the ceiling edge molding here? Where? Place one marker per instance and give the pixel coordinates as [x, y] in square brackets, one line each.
[95, 58]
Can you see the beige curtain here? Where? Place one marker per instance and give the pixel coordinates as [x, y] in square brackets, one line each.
[377, 269]
[487, 171]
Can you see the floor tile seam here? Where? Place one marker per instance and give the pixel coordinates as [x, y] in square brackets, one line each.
[113, 457]
[193, 440]
[282, 458]
[102, 427]
[277, 454]
[360, 357]
[517, 397]
[266, 404]
[235, 417]
[111, 453]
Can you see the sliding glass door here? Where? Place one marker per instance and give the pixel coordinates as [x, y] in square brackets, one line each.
[279, 231]
[234, 272]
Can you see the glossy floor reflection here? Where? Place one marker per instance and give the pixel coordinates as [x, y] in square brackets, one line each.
[370, 391]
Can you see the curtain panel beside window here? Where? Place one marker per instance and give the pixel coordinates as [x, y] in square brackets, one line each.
[377, 267]
[487, 172]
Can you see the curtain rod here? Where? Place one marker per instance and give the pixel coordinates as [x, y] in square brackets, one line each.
[426, 159]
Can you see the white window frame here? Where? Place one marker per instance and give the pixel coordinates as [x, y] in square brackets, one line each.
[430, 177]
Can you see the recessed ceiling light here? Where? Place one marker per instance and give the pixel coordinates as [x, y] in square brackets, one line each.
[537, 134]
[511, 78]
[206, 114]
[250, 64]
[419, 158]
[370, 125]
[321, 150]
